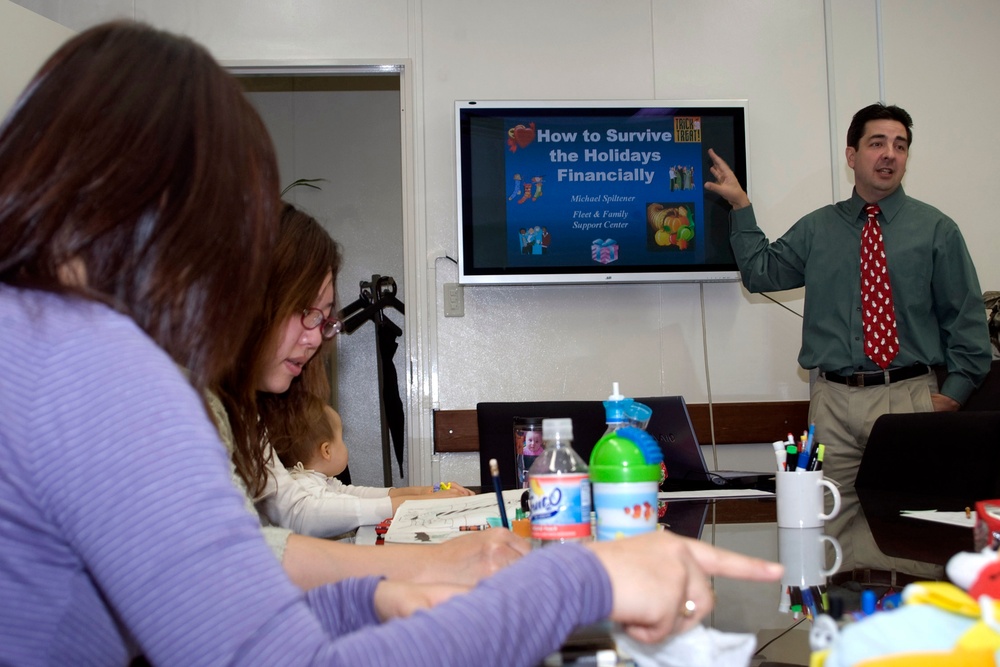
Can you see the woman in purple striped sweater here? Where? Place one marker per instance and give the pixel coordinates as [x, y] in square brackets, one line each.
[138, 203]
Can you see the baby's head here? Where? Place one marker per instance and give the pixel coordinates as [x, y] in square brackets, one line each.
[317, 442]
[325, 459]
[533, 443]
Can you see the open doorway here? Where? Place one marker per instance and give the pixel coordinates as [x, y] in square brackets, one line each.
[343, 125]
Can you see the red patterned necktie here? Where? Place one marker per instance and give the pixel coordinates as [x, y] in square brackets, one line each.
[881, 343]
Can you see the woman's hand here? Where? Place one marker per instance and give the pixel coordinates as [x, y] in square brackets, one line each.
[399, 599]
[472, 557]
[678, 570]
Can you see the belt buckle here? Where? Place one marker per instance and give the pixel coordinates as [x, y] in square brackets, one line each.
[859, 379]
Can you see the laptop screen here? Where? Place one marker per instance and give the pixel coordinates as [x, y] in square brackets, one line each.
[671, 426]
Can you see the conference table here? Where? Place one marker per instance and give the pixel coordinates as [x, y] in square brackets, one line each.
[882, 550]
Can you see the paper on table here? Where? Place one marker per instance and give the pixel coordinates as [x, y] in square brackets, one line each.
[714, 493]
[950, 518]
[437, 520]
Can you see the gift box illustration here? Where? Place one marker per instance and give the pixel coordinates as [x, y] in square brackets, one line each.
[604, 251]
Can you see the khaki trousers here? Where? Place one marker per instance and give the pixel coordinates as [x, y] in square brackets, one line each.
[844, 417]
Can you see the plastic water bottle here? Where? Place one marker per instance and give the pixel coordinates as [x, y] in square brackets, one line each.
[559, 489]
[615, 410]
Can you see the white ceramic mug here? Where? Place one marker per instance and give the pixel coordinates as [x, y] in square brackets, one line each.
[800, 499]
[802, 552]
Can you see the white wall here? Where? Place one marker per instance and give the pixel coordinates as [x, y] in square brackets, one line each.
[348, 135]
[26, 40]
[938, 63]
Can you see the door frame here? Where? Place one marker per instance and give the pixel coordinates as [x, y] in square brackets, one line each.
[419, 367]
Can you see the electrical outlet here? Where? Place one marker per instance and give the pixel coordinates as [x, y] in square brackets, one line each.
[454, 300]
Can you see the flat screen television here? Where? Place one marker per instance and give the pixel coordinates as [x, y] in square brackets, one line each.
[595, 191]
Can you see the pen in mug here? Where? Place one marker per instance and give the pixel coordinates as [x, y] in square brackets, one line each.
[813, 458]
[779, 453]
[820, 450]
[808, 602]
[785, 601]
[822, 599]
[802, 464]
[795, 594]
[791, 453]
[495, 472]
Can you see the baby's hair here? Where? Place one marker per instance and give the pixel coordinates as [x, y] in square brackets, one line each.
[304, 436]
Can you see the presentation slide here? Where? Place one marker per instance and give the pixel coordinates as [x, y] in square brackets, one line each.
[604, 188]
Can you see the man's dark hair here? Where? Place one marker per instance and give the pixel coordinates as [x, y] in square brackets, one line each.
[877, 111]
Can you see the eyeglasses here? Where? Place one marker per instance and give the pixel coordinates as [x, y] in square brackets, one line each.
[314, 317]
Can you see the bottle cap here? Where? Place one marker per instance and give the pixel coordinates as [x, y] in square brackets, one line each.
[557, 428]
[615, 406]
[638, 415]
[627, 455]
[616, 395]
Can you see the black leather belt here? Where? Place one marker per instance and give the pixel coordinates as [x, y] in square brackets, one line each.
[879, 377]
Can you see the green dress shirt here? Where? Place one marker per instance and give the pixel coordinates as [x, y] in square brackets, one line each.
[939, 305]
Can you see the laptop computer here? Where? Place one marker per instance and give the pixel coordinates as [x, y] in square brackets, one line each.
[669, 424]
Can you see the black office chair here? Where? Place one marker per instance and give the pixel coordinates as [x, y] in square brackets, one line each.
[954, 454]
[987, 395]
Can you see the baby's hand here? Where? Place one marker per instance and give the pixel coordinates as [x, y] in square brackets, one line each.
[450, 490]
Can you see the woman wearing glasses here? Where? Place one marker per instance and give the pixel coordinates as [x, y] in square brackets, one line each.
[292, 388]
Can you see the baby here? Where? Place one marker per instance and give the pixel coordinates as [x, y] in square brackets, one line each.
[313, 468]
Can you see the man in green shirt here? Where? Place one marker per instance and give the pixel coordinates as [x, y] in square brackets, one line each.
[935, 294]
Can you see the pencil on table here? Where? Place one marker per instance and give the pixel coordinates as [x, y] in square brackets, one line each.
[495, 472]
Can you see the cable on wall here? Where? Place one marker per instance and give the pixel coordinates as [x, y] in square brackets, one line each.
[831, 96]
[708, 378]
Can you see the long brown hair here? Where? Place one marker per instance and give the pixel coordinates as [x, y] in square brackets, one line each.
[133, 155]
[303, 256]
